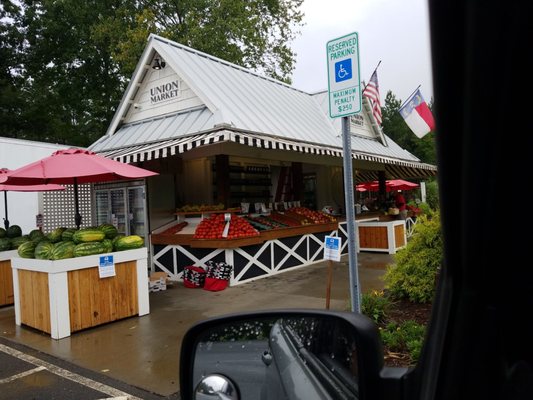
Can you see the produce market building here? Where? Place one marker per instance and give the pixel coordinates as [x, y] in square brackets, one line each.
[220, 134]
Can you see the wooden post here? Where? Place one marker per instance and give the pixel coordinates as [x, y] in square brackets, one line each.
[328, 287]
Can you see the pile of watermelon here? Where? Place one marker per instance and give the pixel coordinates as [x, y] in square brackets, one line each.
[11, 238]
[64, 243]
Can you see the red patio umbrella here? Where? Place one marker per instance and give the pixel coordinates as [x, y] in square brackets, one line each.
[74, 166]
[18, 188]
[392, 184]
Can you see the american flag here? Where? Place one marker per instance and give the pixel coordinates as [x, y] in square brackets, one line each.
[372, 92]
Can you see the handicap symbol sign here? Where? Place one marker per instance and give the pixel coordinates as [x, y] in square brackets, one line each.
[332, 243]
[332, 248]
[343, 70]
[106, 266]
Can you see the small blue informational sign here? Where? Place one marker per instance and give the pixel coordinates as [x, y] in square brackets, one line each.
[332, 248]
[106, 266]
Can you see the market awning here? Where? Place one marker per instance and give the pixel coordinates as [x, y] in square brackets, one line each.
[395, 168]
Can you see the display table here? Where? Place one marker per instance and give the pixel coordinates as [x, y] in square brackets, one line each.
[385, 236]
[64, 296]
[6, 277]
[272, 252]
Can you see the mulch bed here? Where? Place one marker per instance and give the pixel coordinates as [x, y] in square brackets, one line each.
[404, 310]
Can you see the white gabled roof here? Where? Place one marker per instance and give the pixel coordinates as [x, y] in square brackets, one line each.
[239, 100]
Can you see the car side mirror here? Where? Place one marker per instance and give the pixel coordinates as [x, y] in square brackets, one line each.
[297, 354]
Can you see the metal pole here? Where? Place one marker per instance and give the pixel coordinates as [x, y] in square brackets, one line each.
[350, 214]
[77, 217]
[6, 220]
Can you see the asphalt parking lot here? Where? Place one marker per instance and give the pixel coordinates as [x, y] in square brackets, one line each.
[143, 352]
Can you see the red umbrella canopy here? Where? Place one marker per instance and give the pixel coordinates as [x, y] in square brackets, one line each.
[73, 166]
[393, 184]
[26, 188]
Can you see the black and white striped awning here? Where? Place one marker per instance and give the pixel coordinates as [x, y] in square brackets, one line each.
[397, 168]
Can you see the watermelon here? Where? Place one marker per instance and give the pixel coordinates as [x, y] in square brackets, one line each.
[16, 242]
[88, 235]
[67, 234]
[3, 233]
[89, 248]
[120, 235]
[109, 230]
[63, 250]
[5, 244]
[43, 250]
[14, 231]
[108, 243]
[27, 249]
[128, 243]
[36, 234]
[55, 235]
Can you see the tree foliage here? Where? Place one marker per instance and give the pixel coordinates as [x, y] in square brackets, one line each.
[395, 127]
[64, 64]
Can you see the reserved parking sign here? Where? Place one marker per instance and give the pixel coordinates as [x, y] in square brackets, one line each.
[332, 248]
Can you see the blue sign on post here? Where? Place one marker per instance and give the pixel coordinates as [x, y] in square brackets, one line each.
[332, 248]
[106, 266]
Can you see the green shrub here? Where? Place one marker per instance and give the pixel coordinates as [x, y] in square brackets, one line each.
[432, 194]
[416, 265]
[425, 209]
[375, 305]
[406, 337]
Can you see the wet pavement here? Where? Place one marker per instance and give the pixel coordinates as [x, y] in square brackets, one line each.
[144, 351]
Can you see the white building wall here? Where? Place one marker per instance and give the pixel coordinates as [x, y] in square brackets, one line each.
[22, 207]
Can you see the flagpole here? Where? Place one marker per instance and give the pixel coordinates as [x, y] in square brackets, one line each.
[411, 95]
[375, 69]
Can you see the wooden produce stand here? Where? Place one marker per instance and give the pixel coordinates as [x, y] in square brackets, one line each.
[271, 252]
[381, 236]
[6, 277]
[64, 296]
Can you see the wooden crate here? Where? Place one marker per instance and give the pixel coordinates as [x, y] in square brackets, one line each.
[64, 296]
[6, 279]
[94, 301]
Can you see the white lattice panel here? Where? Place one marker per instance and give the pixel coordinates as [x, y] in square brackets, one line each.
[59, 209]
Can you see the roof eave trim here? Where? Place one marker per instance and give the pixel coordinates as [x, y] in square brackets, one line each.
[123, 105]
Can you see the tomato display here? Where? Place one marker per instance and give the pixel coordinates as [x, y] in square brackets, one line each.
[213, 227]
[316, 217]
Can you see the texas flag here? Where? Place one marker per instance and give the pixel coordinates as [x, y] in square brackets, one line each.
[417, 115]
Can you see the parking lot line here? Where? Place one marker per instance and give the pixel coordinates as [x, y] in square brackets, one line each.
[100, 387]
[21, 375]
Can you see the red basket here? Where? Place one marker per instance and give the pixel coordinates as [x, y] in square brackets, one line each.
[215, 285]
[193, 277]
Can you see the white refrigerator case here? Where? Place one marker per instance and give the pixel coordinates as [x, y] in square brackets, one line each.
[123, 207]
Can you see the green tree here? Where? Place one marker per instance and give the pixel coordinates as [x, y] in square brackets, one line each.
[252, 33]
[11, 101]
[65, 64]
[395, 127]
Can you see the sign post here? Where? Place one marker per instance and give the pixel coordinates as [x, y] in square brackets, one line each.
[344, 92]
[332, 251]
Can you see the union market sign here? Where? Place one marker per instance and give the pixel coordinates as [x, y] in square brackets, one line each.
[164, 92]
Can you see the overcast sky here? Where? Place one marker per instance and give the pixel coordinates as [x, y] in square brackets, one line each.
[395, 32]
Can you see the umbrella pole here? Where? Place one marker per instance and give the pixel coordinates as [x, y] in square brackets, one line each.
[77, 217]
[6, 220]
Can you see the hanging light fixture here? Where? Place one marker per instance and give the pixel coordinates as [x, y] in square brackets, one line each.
[158, 65]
